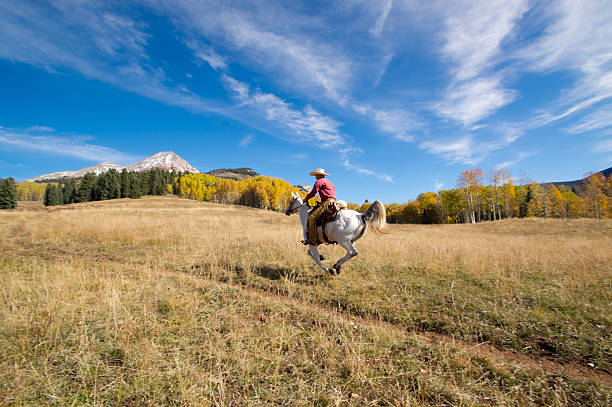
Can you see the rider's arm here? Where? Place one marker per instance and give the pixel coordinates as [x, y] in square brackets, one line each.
[313, 191]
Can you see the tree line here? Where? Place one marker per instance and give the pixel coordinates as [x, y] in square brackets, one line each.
[109, 185]
[500, 197]
[476, 198]
[257, 192]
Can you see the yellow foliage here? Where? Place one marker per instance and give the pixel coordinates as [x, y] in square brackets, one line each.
[259, 192]
[30, 191]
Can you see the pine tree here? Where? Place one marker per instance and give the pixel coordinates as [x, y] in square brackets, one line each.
[114, 184]
[46, 200]
[125, 183]
[53, 195]
[8, 194]
[68, 191]
[134, 188]
[86, 189]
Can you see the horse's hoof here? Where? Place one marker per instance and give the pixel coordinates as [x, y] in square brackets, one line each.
[334, 271]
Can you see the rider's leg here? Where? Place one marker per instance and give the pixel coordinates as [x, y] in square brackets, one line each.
[312, 224]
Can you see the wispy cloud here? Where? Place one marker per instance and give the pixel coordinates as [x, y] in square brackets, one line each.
[246, 140]
[512, 163]
[207, 54]
[604, 146]
[307, 125]
[473, 36]
[456, 150]
[267, 37]
[475, 31]
[598, 119]
[46, 140]
[376, 31]
[466, 149]
[400, 124]
[360, 170]
[469, 102]
[577, 39]
[87, 38]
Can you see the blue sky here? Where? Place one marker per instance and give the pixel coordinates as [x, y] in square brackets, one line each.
[391, 97]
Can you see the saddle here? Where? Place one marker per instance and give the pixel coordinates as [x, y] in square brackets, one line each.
[328, 216]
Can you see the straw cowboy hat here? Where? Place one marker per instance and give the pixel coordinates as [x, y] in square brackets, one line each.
[318, 171]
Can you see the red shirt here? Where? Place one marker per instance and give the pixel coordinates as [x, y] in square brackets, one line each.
[325, 189]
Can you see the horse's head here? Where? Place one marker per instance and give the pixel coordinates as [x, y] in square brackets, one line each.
[294, 204]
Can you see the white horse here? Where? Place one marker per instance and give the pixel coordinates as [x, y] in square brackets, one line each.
[346, 229]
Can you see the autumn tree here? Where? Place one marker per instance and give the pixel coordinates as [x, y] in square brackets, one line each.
[468, 182]
[30, 191]
[595, 199]
[453, 205]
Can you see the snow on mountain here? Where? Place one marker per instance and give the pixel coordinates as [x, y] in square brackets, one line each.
[165, 160]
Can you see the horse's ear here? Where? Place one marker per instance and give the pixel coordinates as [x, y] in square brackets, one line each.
[293, 195]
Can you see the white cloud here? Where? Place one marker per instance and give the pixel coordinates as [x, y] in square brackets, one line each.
[467, 150]
[364, 171]
[596, 120]
[438, 185]
[604, 146]
[246, 140]
[458, 150]
[87, 38]
[376, 31]
[577, 39]
[512, 163]
[270, 38]
[46, 140]
[207, 54]
[469, 102]
[473, 36]
[398, 123]
[475, 31]
[308, 125]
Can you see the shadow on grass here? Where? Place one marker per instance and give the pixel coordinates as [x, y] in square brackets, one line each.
[275, 272]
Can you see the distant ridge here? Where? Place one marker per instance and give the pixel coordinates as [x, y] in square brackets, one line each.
[237, 174]
[576, 185]
[165, 160]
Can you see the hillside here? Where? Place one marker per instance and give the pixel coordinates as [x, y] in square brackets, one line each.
[237, 174]
[576, 185]
[163, 301]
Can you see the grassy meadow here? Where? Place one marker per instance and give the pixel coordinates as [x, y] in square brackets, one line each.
[165, 301]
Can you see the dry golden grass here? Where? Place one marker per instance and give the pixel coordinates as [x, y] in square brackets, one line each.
[162, 301]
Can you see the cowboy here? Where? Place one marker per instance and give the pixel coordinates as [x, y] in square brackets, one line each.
[327, 193]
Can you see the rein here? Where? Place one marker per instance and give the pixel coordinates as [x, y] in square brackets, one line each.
[298, 207]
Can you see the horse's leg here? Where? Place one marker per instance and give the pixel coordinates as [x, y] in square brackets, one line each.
[314, 253]
[350, 253]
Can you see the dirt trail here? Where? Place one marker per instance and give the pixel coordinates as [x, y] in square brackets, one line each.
[571, 370]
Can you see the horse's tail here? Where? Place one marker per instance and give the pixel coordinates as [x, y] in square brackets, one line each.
[376, 217]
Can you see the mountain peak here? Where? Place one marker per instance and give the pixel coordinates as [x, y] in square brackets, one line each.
[166, 160]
